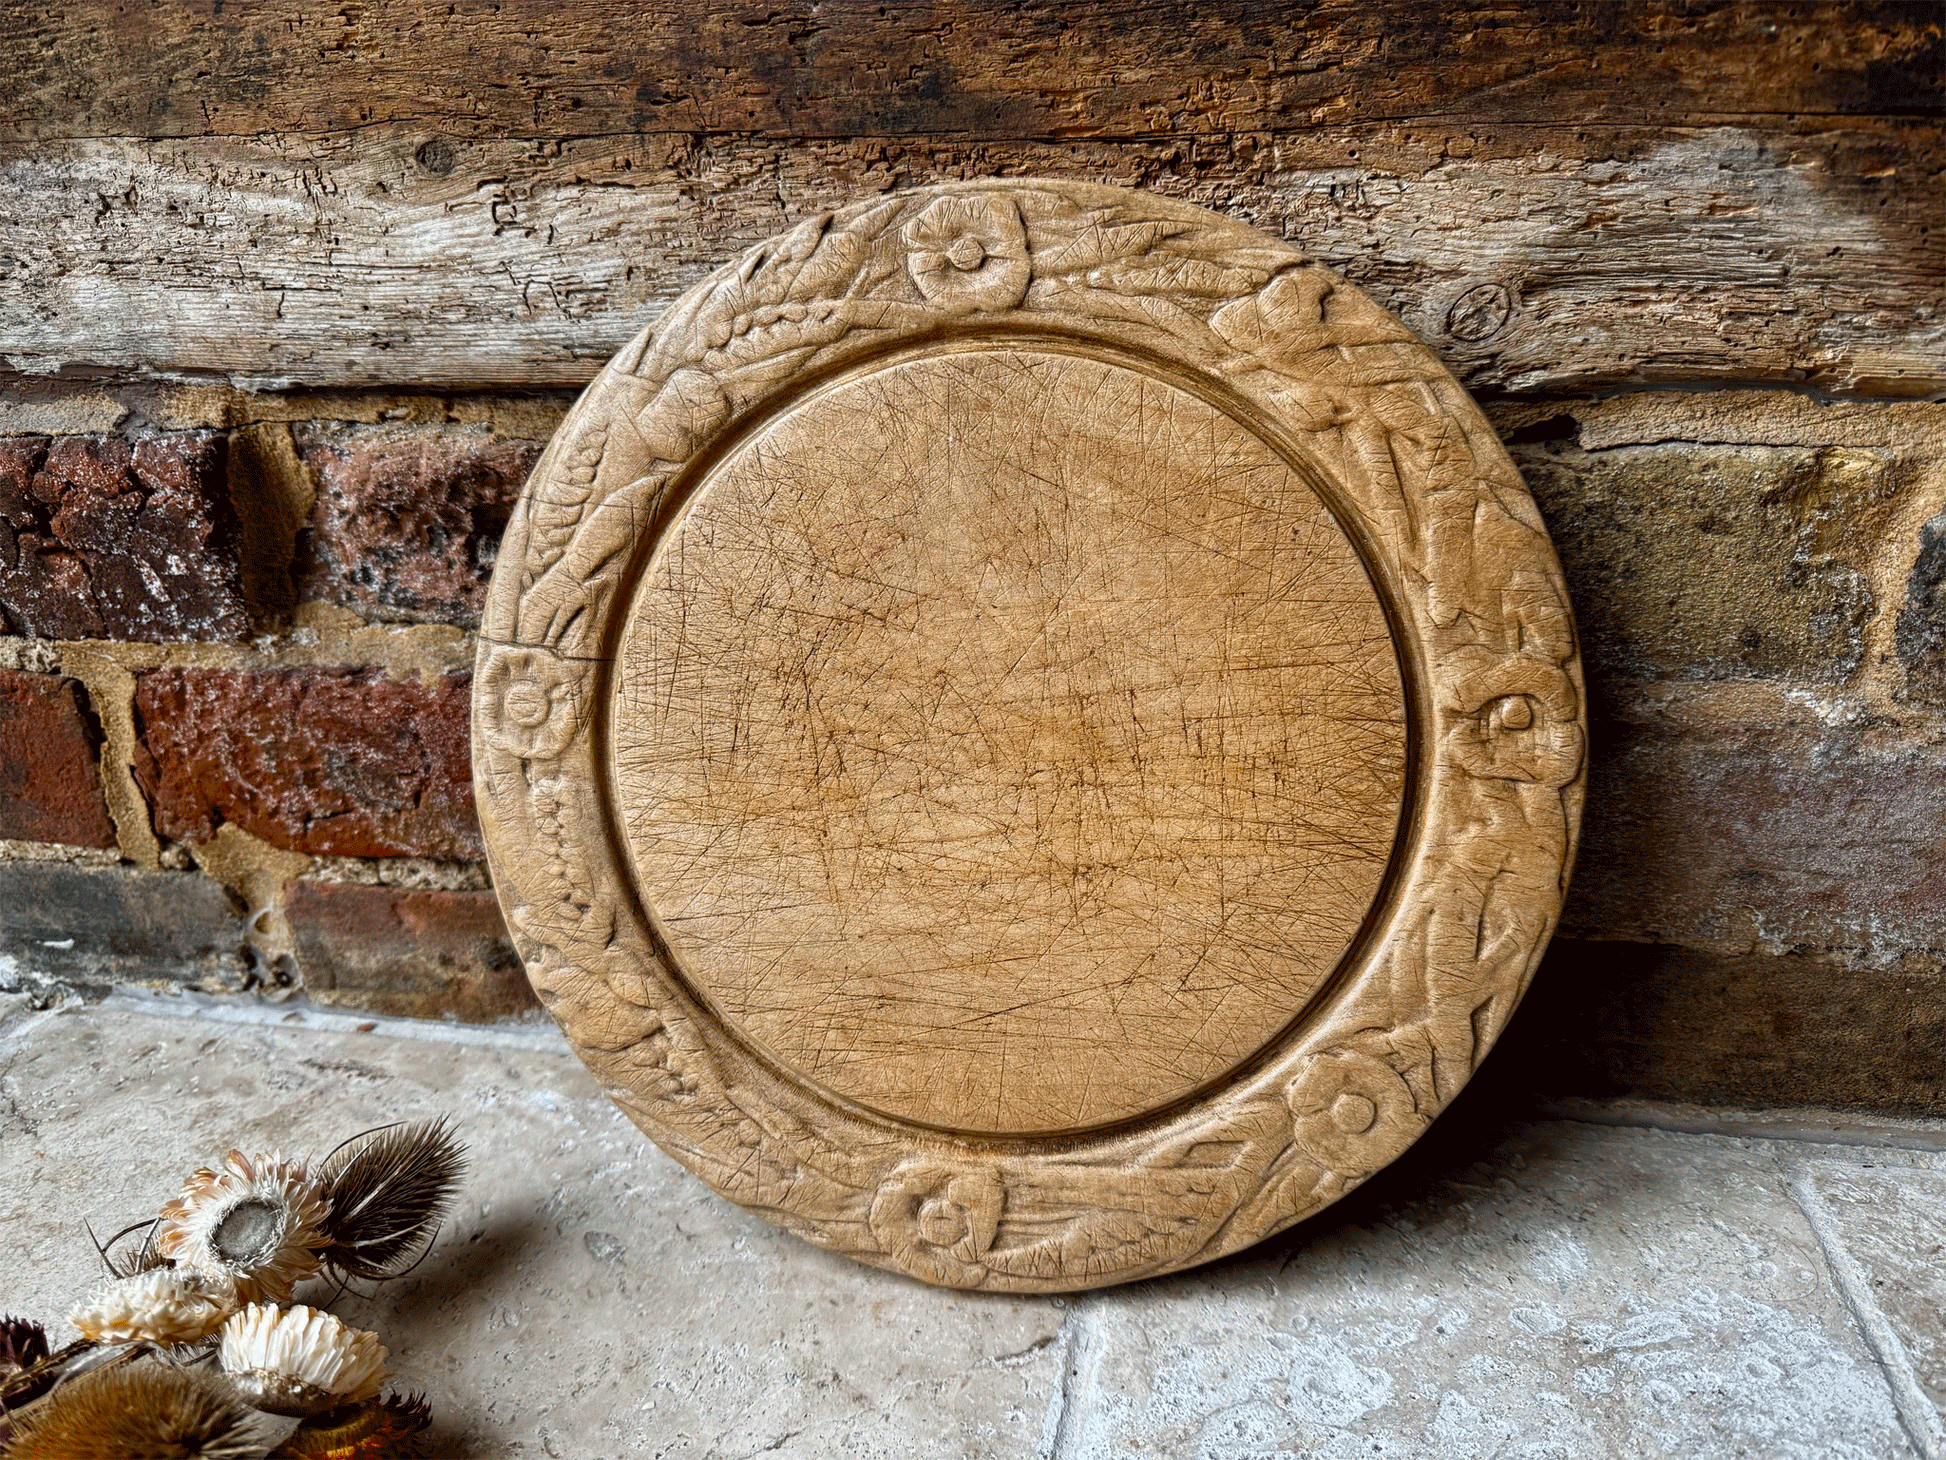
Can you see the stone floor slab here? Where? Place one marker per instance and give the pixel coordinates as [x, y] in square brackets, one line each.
[1516, 1287]
[1637, 1293]
[589, 1297]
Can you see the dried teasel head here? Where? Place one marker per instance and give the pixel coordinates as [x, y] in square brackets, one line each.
[257, 1222]
[388, 1192]
[392, 1428]
[164, 1305]
[22, 1344]
[139, 1412]
[299, 1360]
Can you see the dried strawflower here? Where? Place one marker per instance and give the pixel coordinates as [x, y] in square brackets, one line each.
[388, 1193]
[256, 1222]
[139, 1412]
[392, 1428]
[300, 1360]
[164, 1305]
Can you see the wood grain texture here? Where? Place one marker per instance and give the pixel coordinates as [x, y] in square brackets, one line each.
[1028, 733]
[1089, 68]
[1016, 708]
[1726, 255]
[1560, 196]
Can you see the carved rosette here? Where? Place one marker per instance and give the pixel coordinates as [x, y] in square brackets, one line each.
[938, 1221]
[1437, 507]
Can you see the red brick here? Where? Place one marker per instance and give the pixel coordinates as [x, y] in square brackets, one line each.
[1821, 841]
[406, 952]
[50, 783]
[103, 538]
[335, 762]
[407, 524]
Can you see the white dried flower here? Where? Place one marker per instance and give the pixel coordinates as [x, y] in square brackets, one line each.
[300, 1360]
[165, 1305]
[256, 1222]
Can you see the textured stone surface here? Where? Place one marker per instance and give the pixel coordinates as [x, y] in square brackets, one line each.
[101, 538]
[1922, 622]
[50, 785]
[412, 952]
[1886, 1231]
[1632, 1293]
[327, 761]
[66, 923]
[406, 524]
[1515, 1289]
[1768, 581]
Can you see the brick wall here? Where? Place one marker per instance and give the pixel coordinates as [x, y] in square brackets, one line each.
[1687, 252]
[234, 681]
[238, 759]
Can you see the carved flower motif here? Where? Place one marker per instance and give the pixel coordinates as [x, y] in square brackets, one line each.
[539, 698]
[939, 1220]
[968, 252]
[1520, 723]
[1354, 1112]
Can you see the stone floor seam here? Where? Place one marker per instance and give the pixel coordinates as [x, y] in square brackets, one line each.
[1080, 1372]
[1917, 1414]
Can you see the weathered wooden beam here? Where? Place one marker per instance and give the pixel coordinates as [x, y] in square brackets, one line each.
[951, 68]
[1532, 257]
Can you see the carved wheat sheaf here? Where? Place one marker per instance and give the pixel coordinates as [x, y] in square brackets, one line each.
[1288, 353]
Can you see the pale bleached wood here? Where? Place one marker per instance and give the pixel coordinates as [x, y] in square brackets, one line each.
[1028, 733]
[1532, 258]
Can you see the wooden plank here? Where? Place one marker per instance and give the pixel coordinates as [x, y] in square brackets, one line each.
[1533, 258]
[950, 68]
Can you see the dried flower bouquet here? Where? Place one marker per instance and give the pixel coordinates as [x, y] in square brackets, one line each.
[195, 1341]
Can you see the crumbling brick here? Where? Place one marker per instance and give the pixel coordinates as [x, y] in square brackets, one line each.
[104, 538]
[406, 525]
[335, 762]
[50, 783]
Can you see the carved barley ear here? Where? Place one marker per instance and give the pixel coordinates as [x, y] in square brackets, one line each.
[389, 1189]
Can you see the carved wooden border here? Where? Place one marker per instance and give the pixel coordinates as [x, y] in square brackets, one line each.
[1487, 632]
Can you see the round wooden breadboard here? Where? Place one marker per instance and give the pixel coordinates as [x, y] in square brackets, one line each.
[1028, 733]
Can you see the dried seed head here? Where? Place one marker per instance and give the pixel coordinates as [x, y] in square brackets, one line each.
[22, 1344]
[388, 1192]
[300, 1360]
[256, 1222]
[392, 1428]
[165, 1305]
[136, 1412]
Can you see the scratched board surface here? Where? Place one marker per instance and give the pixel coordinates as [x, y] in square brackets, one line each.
[994, 711]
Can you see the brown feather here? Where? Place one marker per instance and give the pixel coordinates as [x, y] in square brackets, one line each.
[388, 1193]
